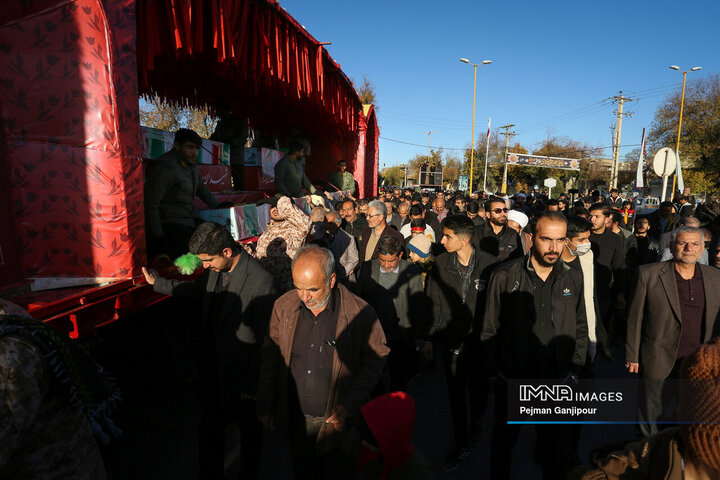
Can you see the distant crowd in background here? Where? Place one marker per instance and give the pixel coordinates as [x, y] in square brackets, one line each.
[316, 329]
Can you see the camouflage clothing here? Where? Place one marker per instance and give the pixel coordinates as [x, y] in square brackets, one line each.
[41, 434]
[281, 241]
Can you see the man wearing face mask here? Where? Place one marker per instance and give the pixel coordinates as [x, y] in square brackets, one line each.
[578, 254]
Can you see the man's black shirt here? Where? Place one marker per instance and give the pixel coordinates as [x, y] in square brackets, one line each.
[504, 245]
[312, 356]
[542, 296]
[355, 228]
[610, 269]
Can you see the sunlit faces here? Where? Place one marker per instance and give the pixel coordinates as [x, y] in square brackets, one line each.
[453, 242]
[688, 247]
[275, 214]
[310, 283]
[582, 238]
[498, 213]
[548, 240]
[598, 220]
[514, 225]
[374, 218]
[347, 211]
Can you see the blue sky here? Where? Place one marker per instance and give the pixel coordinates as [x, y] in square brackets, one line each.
[553, 62]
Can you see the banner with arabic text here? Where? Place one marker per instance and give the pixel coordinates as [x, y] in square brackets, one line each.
[545, 162]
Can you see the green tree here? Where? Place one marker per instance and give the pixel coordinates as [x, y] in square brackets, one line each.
[157, 113]
[496, 151]
[451, 169]
[700, 139]
[394, 175]
[366, 92]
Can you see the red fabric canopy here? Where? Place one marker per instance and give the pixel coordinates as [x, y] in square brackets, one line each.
[253, 55]
[70, 80]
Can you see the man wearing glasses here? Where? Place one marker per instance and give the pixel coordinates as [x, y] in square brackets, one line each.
[494, 236]
[377, 227]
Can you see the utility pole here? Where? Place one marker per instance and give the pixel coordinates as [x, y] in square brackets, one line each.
[507, 134]
[620, 99]
[613, 140]
[428, 134]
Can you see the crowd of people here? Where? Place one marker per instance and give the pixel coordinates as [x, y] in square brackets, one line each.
[352, 301]
[317, 329]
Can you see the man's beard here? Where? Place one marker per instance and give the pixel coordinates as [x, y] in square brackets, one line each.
[321, 304]
[547, 262]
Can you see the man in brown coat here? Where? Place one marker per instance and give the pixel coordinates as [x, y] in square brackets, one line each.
[323, 356]
[674, 310]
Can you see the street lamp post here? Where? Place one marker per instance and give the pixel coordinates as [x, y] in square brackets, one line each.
[682, 104]
[472, 137]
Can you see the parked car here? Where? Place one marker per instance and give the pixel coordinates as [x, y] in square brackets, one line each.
[645, 205]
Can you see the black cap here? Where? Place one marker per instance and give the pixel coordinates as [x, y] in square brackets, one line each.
[186, 135]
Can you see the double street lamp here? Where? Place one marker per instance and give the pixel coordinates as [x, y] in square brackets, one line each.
[682, 104]
[472, 138]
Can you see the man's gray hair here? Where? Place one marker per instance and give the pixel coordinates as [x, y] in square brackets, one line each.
[317, 214]
[328, 264]
[379, 207]
[335, 217]
[674, 234]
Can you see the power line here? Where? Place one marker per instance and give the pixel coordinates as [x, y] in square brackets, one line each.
[580, 150]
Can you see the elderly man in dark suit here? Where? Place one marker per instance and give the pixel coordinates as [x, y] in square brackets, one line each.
[674, 310]
[236, 296]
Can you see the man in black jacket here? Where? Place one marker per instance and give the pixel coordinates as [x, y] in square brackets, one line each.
[393, 286]
[456, 287]
[495, 237]
[353, 223]
[236, 295]
[648, 249]
[535, 327]
[610, 269]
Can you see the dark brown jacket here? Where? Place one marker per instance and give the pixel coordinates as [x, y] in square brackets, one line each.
[367, 231]
[358, 361]
[654, 319]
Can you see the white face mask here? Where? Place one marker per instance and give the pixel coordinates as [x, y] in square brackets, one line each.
[581, 249]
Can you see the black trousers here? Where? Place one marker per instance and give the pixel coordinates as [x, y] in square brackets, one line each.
[309, 463]
[212, 444]
[554, 450]
[402, 365]
[465, 377]
[658, 401]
